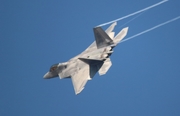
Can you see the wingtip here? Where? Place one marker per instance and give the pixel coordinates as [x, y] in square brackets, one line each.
[126, 28]
[115, 23]
[78, 91]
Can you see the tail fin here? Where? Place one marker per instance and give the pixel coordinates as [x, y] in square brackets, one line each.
[102, 38]
[110, 29]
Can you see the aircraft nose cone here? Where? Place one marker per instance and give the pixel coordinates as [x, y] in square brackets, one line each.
[46, 76]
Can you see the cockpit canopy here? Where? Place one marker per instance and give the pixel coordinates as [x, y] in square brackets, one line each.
[54, 67]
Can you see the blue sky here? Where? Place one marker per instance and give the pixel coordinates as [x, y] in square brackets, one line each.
[144, 79]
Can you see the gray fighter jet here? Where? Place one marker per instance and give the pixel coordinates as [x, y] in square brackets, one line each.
[96, 58]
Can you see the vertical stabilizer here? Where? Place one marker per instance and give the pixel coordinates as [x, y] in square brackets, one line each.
[110, 29]
[102, 38]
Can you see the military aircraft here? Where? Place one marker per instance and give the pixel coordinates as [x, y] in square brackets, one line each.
[96, 58]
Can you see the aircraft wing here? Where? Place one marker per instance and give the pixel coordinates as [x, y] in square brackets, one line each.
[86, 69]
[80, 78]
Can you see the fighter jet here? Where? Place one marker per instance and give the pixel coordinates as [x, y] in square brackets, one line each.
[96, 58]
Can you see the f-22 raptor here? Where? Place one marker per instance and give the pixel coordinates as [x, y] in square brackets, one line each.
[96, 58]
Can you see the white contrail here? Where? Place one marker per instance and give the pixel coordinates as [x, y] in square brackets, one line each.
[147, 8]
[132, 19]
[143, 32]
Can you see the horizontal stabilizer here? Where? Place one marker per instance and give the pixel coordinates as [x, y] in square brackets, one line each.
[102, 38]
[121, 35]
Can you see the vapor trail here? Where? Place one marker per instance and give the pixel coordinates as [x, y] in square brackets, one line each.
[131, 19]
[143, 32]
[147, 8]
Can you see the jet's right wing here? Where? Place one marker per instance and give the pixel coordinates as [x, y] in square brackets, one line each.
[86, 69]
[80, 78]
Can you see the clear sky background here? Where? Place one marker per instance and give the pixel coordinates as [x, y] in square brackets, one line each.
[144, 79]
